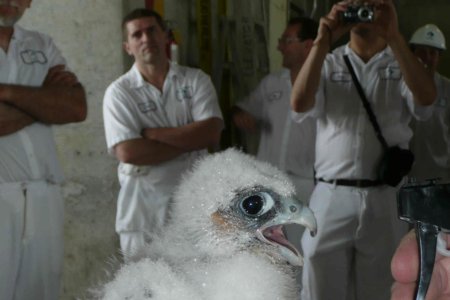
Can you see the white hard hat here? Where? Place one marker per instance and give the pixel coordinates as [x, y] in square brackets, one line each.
[429, 35]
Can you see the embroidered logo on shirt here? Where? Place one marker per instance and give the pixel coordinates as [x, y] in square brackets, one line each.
[184, 93]
[30, 57]
[275, 96]
[145, 107]
[390, 73]
[340, 77]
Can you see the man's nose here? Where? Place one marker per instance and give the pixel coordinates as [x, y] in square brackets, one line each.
[280, 47]
[146, 36]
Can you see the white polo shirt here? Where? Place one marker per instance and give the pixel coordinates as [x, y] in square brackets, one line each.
[29, 154]
[346, 145]
[283, 142]
[131, 104]
[431, 140]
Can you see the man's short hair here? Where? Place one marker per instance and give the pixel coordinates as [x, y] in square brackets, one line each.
[308, 27]
[139, 13]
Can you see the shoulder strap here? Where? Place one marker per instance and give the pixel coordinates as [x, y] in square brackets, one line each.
[372, 117]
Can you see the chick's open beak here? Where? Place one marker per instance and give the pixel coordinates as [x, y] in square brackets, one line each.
[290, 212]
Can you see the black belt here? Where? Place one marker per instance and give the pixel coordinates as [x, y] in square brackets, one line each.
[362, 183]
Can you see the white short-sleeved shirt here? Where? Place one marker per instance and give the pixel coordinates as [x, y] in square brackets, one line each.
[431, 140]
[346, 144]
[283, 142]
[130, 105]
[29, 154]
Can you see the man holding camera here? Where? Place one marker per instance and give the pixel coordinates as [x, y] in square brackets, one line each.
[283, 142]
[358, 229]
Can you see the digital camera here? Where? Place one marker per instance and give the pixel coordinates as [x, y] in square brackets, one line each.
[358, 14]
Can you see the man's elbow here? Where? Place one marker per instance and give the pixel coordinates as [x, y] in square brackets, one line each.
[82, 115]
[427, 99]
[295, 106]
[428, 102]
[432, 97]
[79, 114]
[75, 109]
[300, 106]
[215, 140]
[125, 157]
[124, 152]
[72, 114]
[216, 132]
[80, 111]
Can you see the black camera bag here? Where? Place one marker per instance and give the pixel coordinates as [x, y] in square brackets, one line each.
[394, 165]
[395, 162]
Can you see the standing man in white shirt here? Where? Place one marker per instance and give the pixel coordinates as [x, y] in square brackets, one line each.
[287, 144]
[431, 139]
[159, 118]
[284, 143]
[36, 91]
[356, 213]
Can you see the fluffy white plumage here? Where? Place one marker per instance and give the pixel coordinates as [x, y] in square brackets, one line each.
[224, 240]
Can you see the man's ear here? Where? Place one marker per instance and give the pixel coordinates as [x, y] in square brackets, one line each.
[126, 48]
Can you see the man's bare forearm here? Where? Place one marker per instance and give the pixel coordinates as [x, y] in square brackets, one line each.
[145, 152]
[194, 136]
[243, 120]
[307, 81]
[417, 78]
[12, 119]
[56, 104]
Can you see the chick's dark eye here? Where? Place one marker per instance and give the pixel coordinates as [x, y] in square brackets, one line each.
[256, 204]
[252, 205]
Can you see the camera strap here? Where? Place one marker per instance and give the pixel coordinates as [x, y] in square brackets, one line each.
[366, 104]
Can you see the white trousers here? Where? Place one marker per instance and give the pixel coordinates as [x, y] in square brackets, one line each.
[132, 243]
[358, 232]
[31, 241]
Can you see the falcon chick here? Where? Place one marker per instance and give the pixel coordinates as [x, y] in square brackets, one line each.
[225, 237]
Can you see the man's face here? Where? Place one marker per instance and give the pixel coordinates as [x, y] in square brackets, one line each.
[11, 11]
[146, 40]
[428, 55]
[363, 29]
[293, 50]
